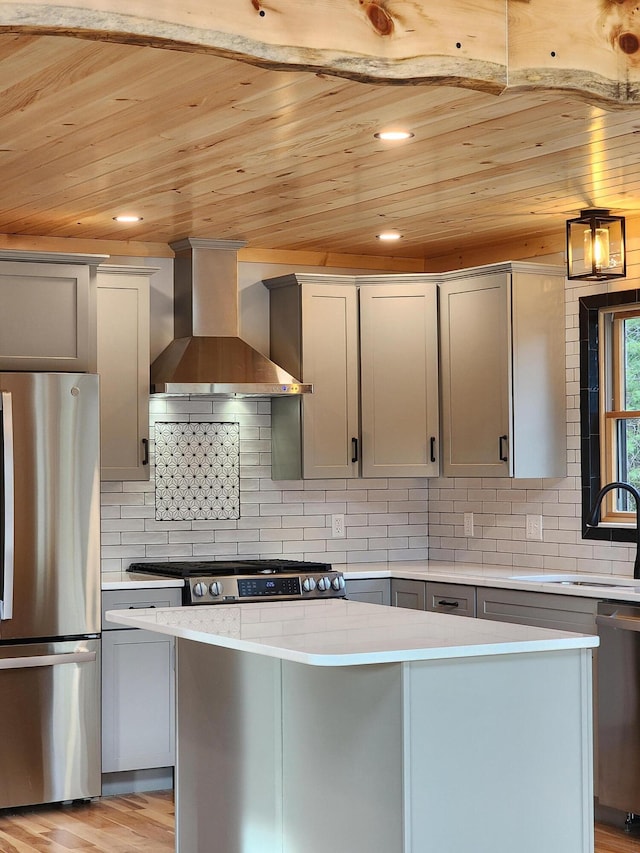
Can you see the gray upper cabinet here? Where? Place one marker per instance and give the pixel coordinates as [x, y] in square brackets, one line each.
[399, 378]
[368, 345]
[502, 345]
[314, 335]
[123, 365]
[47, 322]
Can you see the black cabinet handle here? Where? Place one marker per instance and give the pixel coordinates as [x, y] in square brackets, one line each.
[354, 449]
[145, 451]
[433, 448]
[503, 455]
[444, 603]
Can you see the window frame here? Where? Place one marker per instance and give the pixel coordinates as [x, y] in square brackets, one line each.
[592, 385]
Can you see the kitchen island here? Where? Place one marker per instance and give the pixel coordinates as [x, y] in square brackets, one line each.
[342, 727]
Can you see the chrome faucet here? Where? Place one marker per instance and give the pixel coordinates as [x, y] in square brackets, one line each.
[594, 516]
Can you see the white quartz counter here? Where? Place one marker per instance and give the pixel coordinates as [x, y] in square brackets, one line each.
[129, 580]
[475, 574]
[346, 633]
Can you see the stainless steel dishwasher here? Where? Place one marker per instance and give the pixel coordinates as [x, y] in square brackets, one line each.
[619, 707]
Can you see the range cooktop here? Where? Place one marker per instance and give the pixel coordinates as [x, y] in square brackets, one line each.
[191, 568]
[248, 580]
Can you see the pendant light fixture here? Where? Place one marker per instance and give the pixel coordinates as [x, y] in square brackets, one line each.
[596, 246]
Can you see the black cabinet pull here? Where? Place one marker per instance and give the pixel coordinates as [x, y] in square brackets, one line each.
[145, 451]
[444, 603]
[503, 455]
[433, 448]
[354, 449]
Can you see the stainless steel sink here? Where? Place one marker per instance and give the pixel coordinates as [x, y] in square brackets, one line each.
[600, 581]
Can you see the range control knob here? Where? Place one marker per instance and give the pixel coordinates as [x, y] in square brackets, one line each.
[199, 589]
[308, 584]
[338, 582]
[324, 584]
[215, 588]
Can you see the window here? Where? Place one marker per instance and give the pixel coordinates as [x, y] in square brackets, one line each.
[620, 407]
[610, 408]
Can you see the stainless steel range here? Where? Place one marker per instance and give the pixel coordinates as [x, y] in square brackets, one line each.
[232, 581]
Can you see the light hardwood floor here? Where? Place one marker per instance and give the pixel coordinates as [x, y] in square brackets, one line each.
[140, 822]
[144, 822]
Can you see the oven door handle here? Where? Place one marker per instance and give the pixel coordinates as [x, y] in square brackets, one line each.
[625, 623]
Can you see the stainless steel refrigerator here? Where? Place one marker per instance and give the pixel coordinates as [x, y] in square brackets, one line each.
[50, 588]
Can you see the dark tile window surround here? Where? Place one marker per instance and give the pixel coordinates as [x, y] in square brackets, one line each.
[589, 417]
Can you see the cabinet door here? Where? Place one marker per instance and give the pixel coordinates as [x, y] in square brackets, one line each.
[406, 593]
[399, 380]
[369, 590]
[46, 322]
[123, 365]
[330, 363]
[138, 716]
[475, 336]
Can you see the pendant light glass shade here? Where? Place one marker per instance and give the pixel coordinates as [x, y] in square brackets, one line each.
[596, 246]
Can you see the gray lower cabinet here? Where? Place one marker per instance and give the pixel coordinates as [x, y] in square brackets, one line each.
[454, 598]
[407, 593]
[370, 590]
[541, 609]
[138, 695]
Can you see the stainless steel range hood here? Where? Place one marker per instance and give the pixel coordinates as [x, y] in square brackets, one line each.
[207, 356]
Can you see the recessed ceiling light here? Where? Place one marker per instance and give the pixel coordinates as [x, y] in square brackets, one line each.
[128, 217]
[389, 235]
[393, 135]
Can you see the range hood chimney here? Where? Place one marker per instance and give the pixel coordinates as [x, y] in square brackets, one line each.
[207, 356]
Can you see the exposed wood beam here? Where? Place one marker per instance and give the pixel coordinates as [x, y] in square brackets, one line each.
[590, 47]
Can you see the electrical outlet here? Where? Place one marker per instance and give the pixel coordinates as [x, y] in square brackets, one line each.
[337, 526]
[534, 527]
[468, 524]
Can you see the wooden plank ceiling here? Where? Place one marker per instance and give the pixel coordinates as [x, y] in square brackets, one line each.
[205, 146]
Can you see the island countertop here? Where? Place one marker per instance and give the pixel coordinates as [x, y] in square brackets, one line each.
[346, 633]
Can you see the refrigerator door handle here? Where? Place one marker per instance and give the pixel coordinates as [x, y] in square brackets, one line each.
[47, 660]
[6, 408]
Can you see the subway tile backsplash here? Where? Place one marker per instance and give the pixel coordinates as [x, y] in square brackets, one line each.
[385, 519]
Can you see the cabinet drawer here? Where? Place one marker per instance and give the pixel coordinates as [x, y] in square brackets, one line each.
[456, 599]
[127, 599]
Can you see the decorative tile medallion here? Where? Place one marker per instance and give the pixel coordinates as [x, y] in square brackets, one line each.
[197, 471]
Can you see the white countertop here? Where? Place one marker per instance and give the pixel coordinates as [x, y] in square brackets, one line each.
[475, 574]
[346, 633]
[614, 587]
[129, 580]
